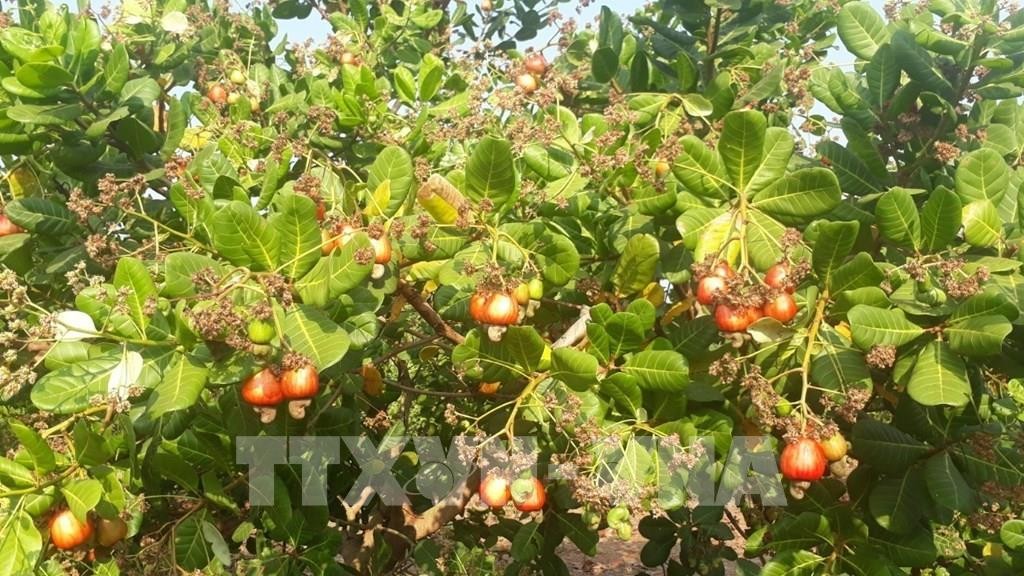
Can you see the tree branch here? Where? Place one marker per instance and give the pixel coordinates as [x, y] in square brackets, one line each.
[413, 297]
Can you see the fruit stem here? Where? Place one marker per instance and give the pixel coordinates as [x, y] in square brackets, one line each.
[805, 368]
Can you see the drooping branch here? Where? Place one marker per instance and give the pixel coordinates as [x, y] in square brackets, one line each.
[413, 297]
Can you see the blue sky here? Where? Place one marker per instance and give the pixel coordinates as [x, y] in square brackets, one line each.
[314, 27]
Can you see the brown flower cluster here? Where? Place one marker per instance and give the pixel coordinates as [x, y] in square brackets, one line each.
[881, 357]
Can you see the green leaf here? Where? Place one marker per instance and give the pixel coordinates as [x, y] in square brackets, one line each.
[299, 238]
[940, 220]
[886, 447]
[604, 64]
[792, 563]
[577, 369]
[898, 503]
[947, 486]
[799, 196]
[43, 76]
[45, 115]
[42, 455]
[393, 165]
[180, 267]
[637, 265]
[336, 274]
[1012, 534]
[405, 84]
[490, 172]
[192, 551]
[700, 169]
[978, 335]
[430, 76]
[861, 271]
[664, 370]
[517, 354]
[41, 215]
[982, 226]
[741, 146]
[855, 177]
[939, 377]
[918, 64]
[82, 496]
[311, 333]
[982, 175]
[20, 544]
[132, 276]
[883, 75]
[833, 245]
[180, 388]
[764, 239]
[140, 93]
[623, 388]
[861, 29]
[878, 327]
[985, 304]
[116, 71]
[897, 218]
[778, 149]
[91, 449]
[15, 475]
[244, 238]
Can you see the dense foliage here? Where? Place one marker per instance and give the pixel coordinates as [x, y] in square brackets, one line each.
[418, 228]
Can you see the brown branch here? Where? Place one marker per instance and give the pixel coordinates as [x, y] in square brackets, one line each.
[413, 297]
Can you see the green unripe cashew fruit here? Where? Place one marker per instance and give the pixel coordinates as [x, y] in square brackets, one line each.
[260, 332]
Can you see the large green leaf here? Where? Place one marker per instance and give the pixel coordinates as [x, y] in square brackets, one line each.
[179, 269]
[940, 220]
[979, 335]
[43, 456]
[577, 369]
[20, 544]
[792, 563]
[517, 354]
[41, 215]
[490, 172]
[311, 333]
[879, 327]
[982, 175]
[393, 165]
[897, 218]
[939, 377]
[982, 226]
[883, 75]
[132, 277]
[182, 383]
[70, 389]
[833, 245]
[861, 271]
[43, 76]
[664, 370]
[778, 149]
[918, 64]
[337, 273]
[295, 224]
[947, 486]
[764, 239]
[700, 169]
[741, 145]
[82, 496]
[861, 29]
[244, 238]
[897, 504]
[886, 447]
[800, 196]
[637, 264]
[854, 176]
